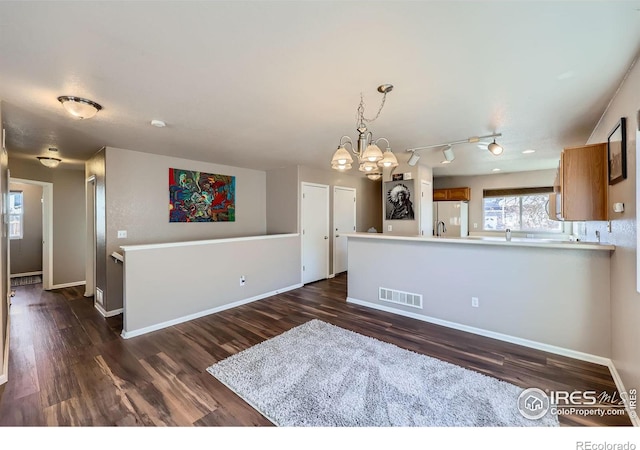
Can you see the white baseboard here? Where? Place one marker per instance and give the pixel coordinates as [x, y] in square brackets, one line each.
[333, 275]
[133, 333]
[4, 375]
[620, 386]
[490, 334]
[66, 285]
[26, 274]
[106, 313]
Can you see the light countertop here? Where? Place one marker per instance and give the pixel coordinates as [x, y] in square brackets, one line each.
[491, 240]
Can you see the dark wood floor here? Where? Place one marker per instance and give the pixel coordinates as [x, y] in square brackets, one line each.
[69, 366]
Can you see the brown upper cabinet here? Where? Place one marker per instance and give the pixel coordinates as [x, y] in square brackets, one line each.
[452, 194]
[581, 187]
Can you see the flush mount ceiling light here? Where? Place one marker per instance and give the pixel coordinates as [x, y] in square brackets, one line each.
[79, 107]
[370, 158]
[494, 148]
[158, 123]
[50, 161]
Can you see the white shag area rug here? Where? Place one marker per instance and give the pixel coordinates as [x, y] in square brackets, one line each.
[321, 375]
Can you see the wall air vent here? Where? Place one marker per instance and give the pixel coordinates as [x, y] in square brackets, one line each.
[400, 297]
[99, 297]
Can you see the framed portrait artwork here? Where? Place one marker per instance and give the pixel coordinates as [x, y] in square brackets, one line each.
[399, 200]
[617, 152]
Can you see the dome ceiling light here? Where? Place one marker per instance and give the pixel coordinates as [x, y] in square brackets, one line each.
[50, 161]
[79, 107]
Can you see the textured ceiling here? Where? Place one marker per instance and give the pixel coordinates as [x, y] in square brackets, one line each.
[270, 84]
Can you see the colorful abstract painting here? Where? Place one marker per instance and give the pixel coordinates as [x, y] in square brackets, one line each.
[201, 197]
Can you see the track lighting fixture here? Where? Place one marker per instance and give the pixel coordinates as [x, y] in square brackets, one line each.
[494, 148]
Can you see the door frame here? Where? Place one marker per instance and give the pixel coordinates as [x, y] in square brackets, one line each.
[355, 218]
[328, 228]
[47, 229]
[91, 250]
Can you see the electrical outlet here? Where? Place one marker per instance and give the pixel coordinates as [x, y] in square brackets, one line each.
[242, 280]
[475, 225]
[475, 302]
[122, 234]
[389, 228]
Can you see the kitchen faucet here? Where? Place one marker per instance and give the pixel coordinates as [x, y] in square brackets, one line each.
[444, 228]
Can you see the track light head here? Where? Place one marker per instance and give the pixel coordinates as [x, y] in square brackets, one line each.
[448, 153]
[495, 149]
[413, 160]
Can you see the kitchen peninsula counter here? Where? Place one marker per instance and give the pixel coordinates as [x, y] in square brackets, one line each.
[550, 295]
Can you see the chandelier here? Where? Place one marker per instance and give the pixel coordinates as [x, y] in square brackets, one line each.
[371, 160]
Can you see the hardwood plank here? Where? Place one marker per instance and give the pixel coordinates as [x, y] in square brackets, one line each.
[69, 366]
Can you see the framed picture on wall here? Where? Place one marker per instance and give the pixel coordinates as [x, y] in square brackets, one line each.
[617, 152]
[399, 203]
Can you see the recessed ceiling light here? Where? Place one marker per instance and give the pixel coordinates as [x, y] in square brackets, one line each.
[526, 152]
[496, 170]
[158, 123]
[565, 75]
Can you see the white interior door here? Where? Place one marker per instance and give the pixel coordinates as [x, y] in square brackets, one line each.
[344, 221]
[315, 232]
[426, 209]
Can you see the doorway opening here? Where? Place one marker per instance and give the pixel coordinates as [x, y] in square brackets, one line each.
[36, 238]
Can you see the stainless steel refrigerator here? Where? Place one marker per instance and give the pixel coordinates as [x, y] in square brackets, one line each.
[450, 219]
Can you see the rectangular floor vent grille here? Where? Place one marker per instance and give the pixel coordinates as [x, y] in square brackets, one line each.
[400, 297]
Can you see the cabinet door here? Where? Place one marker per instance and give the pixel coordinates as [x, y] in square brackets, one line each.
[461, 194]
[584, 183]
[440, 194]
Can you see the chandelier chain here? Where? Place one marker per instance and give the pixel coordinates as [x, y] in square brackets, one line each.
[361, 118]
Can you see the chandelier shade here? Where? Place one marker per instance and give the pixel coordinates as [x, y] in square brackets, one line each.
[341, 156]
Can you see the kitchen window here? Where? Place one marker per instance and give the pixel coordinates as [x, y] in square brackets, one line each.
[519, 209]
[16, 215]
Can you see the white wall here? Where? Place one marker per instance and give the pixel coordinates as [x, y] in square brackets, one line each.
[137, 200]
[557, 297]
[625, 300]
[165, 285]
